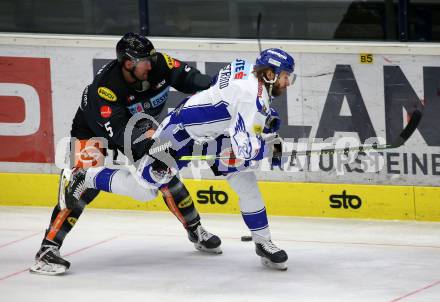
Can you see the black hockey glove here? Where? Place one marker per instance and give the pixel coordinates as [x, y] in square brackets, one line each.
[140, 143]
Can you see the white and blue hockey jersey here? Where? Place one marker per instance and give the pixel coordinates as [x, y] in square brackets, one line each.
[236, 105]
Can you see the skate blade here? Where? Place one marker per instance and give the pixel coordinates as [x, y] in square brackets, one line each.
[216, 250]
[47, 269]
[278, 266]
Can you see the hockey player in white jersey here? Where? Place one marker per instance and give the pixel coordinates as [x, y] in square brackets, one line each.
[231, 117]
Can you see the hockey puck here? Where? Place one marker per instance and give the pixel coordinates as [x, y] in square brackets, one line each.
[246, 238]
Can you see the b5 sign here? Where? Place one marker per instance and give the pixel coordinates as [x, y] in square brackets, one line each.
[26, 128]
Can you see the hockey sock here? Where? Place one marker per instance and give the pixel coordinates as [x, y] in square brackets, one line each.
[257, 223]
[120, 182]
[99, 178]
[62, 221]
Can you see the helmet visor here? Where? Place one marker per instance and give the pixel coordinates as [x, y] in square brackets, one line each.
[287, 77]
[292, 78]
[151, 59]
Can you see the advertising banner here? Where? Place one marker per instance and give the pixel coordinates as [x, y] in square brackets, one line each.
[338, 99]
[26, 125]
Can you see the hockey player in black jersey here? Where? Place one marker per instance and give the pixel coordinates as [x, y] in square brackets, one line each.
[137, 81]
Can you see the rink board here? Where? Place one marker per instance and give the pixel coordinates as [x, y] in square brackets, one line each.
[338, 97]
[281, 198]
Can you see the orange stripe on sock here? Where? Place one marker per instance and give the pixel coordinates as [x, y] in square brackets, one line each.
[58, 222]
[172, 205]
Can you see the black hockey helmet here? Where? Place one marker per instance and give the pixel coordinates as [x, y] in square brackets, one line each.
[135, 47]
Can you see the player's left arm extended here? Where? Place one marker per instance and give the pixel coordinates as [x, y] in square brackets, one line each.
[187, 79]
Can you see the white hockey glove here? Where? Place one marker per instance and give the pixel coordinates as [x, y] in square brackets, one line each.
[273, 122]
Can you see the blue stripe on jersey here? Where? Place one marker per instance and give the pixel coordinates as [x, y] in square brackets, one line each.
[204, 114]
[103, 179]
[255, 220]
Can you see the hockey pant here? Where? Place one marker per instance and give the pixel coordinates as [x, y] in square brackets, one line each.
[251, 202]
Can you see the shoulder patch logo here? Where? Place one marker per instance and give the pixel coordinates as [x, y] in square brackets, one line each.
[258, 129]
[169, 60]
[107, 94]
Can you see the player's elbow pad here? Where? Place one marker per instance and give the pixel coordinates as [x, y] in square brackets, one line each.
[201, 81]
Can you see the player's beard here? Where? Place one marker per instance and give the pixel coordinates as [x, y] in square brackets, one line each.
[134, 74]
[276, 90]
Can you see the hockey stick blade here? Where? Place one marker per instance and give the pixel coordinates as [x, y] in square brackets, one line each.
[408, 130]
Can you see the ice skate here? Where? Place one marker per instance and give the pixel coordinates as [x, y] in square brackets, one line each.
[271, 255]
[49, 262]
[205, 241]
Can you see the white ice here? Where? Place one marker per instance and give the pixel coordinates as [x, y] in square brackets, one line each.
[145, 256]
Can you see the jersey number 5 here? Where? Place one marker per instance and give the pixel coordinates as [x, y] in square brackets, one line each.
[109, 129]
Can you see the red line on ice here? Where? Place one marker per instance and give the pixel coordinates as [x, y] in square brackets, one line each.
[18, 240]
[90, 246]
[416, 291]
[66, 255]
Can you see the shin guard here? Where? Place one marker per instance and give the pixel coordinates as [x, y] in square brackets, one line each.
[63, 220]
[180, 203]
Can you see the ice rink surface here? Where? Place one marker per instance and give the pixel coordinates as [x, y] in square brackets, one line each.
[145, 256]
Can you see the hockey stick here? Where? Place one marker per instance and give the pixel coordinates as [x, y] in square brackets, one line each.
[258, 31]
[397, 142]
